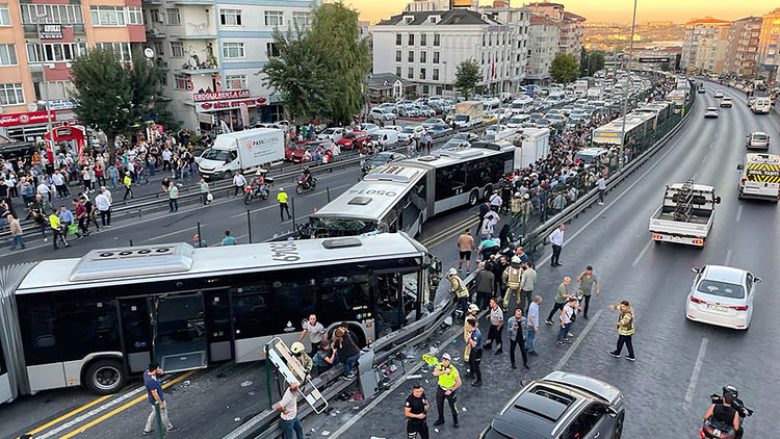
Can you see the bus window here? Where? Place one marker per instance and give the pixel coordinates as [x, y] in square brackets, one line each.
[294, 299]
[37, 325]
[343, 296]
[86, 324]
[252, 309]
[444, 183]
[389, 303]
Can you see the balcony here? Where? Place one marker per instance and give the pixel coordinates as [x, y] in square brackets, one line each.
[155, 33]
[31, 29]
[193, 2]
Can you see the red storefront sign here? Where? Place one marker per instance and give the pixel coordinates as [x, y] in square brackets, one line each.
[29, 118]
[221, 95]
[226, 105]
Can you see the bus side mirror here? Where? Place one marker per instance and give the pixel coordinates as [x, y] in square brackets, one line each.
[717, 200]
[695, 269]
[740, 167]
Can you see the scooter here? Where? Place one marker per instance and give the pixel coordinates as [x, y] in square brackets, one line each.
[252, 191]
[304, 185]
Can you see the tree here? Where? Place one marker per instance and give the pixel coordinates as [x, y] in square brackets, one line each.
[146, 84]
[591, 62]
[467, 75]
[564, 68]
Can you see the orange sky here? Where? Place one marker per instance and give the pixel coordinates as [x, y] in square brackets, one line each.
[610, 10]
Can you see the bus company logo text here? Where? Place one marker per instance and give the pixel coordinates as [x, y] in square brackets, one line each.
[373, 192]
[285, 251]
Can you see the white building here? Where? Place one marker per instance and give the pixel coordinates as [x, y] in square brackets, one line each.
[543, 40]
[570, 26]
[518, 20]
[214, 49]
[440, 5]
[425, 48]
[705, 45]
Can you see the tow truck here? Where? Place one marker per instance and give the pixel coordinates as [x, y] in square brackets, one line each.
[686, 215]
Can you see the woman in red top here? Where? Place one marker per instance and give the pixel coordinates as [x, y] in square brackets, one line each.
[99, 174]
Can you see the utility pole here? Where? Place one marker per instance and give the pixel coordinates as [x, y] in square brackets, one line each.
[622, 159]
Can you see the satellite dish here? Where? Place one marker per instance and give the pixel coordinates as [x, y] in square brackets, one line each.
[149, 53]
[32, 107]
[192, 62]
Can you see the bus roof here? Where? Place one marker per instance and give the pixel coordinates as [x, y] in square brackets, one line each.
[133, 265]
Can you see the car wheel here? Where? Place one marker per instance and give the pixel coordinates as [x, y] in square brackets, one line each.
[473, 198]
[104, 377]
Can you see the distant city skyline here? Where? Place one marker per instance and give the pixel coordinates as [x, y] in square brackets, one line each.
[606, 11]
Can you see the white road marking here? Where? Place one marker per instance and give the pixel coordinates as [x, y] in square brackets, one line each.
[642, 253]
[728, 257]
[169, 234]
[565, 359]
[272, 206]
[739, 213]
[696, 372]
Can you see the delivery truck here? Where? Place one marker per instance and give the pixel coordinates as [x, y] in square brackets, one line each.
[534, 144]
[686, 215]
[468, 113]
[241, 151]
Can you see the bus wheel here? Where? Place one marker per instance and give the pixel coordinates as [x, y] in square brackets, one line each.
[473, 198]
[104, 377]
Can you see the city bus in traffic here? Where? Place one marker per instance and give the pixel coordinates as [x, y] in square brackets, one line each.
[95, 320]
[404, 194]
[638, 125]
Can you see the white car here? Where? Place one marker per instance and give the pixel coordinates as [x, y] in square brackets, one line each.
[410, 133]
[332, 134]
[711, 112]
[499, 132]
[718, 94]
[517, 121]
[381, 114]
[369, 127]
[722, 296]
[393, 127]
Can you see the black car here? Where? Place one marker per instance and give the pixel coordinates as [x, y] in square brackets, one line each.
[562, 405]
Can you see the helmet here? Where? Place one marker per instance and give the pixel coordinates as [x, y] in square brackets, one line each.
[297, 348]
[446, 357]
[473, 308]
[515, 259]
[731, 389]
[281, 189]
[452, 271]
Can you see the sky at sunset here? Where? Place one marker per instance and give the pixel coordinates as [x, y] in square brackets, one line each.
[610, 10]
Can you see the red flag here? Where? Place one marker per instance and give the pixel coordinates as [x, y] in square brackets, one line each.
[493, 69]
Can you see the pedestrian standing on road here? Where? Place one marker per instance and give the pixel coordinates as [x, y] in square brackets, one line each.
[57, 230]
[496, 201]
[562, 296]
[459, 289]
[475, 358]
[465, 247]
[517, 325]
[415, 410]
[17, 238]
[533, 324]
[315, 330]
[288, 407]
[154, 391]
[601, 185]
[204, 192]
[484, 283]
[565, 321]
[496, 318]
[588, 282]
[127, 181]
[113, 175]
[238, 183]
[527, 285]
[556, 239]
[467, 327]
[448, 384]
[104, 208]
[282, 198]
[625, 329]
[511, 278]
[229, 239]
[173, 197]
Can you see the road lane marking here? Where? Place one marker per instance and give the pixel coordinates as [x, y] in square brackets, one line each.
[277, 205]
[728, 257]
[122, 408]
[642, 253]
[169, 234]
[71, 413]
[448, 232]
[739, 212]
[565, 359]
[696, 372]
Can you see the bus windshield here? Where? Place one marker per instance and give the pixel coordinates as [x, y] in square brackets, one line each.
[341, 226]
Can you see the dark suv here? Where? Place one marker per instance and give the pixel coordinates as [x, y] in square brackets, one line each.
[562, 405]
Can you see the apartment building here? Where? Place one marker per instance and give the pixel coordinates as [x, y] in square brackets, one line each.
[518, 20]
[543, 38]
[742, 47]
[214, 51]
[425, 49]
[570, 25]
[39, 40]
[440, 5]
[769, 46]
[705, 45]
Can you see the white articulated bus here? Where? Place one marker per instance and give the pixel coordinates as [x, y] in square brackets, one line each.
[638, 125]
[95, 320]
[402, 195]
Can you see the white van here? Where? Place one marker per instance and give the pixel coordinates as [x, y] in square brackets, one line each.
[384, 138]
[760, 177]
[762, 105]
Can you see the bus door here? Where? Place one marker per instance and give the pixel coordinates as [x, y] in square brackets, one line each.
[5, 384]
[136, 333]
[179, 331]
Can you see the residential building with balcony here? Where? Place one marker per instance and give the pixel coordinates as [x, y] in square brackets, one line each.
[570, 25]
[38, 42]
[425, 49]
[214, 51]
[705, 45]
[543, 37]
[769, 46]
[518, 20]
[742, 51]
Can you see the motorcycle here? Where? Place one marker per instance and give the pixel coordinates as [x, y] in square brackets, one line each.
[715, 429]
[304, 185]
[253, 190]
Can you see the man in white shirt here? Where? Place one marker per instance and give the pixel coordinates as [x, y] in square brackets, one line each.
[238, 182]
[59, 184]
[556, 239]
[288, 407]
[496, 201]
[44, 191]
[533, 325]
[601, 185]
[315, 330]
[103, 205]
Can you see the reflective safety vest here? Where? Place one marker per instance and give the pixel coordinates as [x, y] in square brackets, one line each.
[512, 276]
[282, 197]
[448, 380]
[458, 287]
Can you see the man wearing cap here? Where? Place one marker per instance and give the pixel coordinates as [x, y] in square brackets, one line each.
[449, 383]
[288, 407]
[511, 278]
[459, 289]
[415, 408]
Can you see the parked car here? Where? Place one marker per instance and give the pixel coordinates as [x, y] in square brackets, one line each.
[425, 111]
[332, 134]
[410, 133]
[381, 114]
[439, 129]
[381, 159]
[432, 122]
[517, 121]
[354, 140]
[368, 127]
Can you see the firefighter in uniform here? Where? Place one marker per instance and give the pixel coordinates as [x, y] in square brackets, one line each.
[460, 290]
[511, 278]
[471, 316]
[449, 383]
[299, 350]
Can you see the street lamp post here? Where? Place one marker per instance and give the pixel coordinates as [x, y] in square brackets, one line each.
[621, 159]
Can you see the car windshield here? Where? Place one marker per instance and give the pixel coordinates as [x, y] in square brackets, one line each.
[461, 117]
[759, 138]
[376, 136]
[349, 135]
[216, 154]
[408, 130]
[329, 131]
[722, 289]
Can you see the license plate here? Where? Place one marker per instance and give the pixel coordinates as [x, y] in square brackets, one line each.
[717, 308]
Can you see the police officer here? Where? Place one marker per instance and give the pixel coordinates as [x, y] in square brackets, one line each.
[415, 409]
[449, 383]
[475, 358]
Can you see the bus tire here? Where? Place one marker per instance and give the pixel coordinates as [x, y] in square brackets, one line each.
[488, 192]
[104, 376]
[473, 198]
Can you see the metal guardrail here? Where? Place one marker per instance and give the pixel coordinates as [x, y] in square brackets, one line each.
[538, 236]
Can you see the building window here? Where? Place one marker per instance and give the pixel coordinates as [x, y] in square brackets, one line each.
[235, 82]
[422, 73]
[398, 38]
[436, 40]
[182, 82]
[271, 50]
[57, 14]
[410, 73]
[410, 58]
[108, 16]
[484, 40]
[398, 71]
[435, 74]
[436, 56]
[233, 50]
[55, 52]
[8, 55]
[301, 19]
[230, 17]
[173, 17]
[397, 56]
[154, 16]
[5, 16]
[11, 94]
[158, 48]
[423, 39]
[177, 49]
[122, 50]
[411, 39]
[423, 57]
[274, 18]
[135, 15]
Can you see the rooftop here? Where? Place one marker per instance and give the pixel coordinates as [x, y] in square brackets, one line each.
[451, 17]
[708, 20]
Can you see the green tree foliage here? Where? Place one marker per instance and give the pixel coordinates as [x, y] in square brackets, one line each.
[146, 85]
[591, 62]
[467, 75]
[320, 72]
[564, 68]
